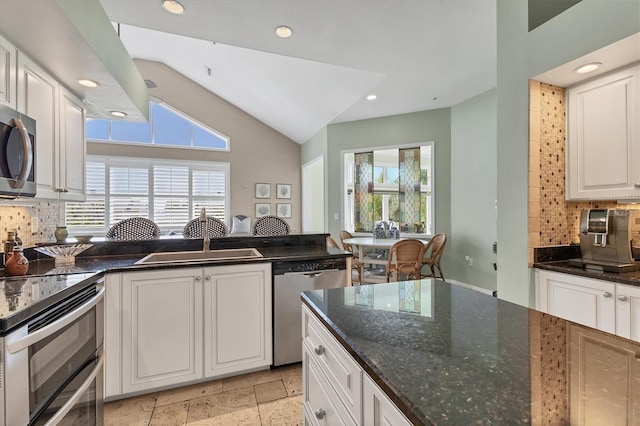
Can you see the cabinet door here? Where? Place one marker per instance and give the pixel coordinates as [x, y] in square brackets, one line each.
[604, 145]
[582, 300]
[604, 379]
[237, 324]
[8, 73]
[378, 408]
[628, 312]
[161, 328]
[71, 166]
[37, 98]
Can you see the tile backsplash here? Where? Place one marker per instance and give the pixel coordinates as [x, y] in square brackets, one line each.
[19, 217]
[552, 220]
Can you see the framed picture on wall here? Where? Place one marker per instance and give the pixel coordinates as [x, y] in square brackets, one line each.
[263, 209]
[283, 190]
[283, 210]
[263, 190]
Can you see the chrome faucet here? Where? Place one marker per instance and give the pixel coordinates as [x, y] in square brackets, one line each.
[205, 230]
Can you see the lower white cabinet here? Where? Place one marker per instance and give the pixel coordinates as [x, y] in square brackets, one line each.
[335, 389]
[603, 305]
[173, 326]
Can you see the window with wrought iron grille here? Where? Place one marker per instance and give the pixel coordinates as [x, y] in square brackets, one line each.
[169, 192]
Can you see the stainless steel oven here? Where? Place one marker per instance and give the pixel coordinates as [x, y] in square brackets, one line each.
[17, 154]
[53, 365]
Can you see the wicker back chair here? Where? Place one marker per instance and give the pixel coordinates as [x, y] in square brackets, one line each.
[355, 262]
[436, 245]
[270, 226]
[134, 228]
[215, 228]
[332, 243]
[405, 257]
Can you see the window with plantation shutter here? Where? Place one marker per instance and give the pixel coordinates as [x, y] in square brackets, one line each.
[168, 192]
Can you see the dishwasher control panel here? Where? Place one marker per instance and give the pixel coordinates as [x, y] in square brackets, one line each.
[280, 268]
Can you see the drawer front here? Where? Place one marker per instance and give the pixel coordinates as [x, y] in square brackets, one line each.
[342, 371]
[321, 405]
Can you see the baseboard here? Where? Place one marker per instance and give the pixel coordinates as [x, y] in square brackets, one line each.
[472, 287]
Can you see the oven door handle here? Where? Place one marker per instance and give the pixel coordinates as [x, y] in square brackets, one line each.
[57, 325]
[59, 415]
[27, 160]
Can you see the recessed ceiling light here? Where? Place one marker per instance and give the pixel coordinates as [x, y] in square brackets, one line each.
[88, 83]
[283, 31]
[118, 113]
[588, 68]
[371, 97]
[173, 6]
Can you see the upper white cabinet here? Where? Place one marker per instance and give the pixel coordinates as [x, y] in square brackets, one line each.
[603, 145]
[60, 143]
[8, 54]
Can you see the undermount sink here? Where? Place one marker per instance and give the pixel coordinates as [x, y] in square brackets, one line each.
[193, 256]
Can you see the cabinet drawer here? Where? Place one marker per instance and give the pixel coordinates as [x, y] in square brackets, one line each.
[321, 402]
[342, 371]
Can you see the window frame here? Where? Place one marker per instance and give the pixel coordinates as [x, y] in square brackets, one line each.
[348, 217]
[149, 163]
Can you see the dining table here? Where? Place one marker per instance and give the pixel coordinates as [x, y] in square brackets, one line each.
[375, 275]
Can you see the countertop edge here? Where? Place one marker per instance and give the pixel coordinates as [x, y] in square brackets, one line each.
[627, 278]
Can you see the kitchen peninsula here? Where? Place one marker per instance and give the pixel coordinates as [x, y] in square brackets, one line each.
[441, 354]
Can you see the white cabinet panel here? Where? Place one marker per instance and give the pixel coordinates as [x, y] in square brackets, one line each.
[8, 82]
[71, 165]
[603, 151]
[628, 312]
[378, 408]
[237, 318]
[162, 328]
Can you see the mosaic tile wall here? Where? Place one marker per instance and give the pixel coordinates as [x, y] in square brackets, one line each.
[552, 220]
[19, 218]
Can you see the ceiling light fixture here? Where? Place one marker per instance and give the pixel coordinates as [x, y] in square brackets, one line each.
[371, 97]
[587, 68]
[283, 31]
[173, 6]
[88, 83]
[118, 113]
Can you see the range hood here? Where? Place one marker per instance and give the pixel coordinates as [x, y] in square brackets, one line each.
[74, 39]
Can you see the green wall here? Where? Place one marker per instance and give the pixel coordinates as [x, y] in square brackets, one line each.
[585, 27]
[424, 126]
[473, 191]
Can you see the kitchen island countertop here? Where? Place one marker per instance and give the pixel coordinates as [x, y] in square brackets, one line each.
[449, 355]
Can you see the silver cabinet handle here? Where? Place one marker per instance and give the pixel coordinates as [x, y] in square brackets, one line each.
[622, 298]
[320, 413]
[319, 350]
[637, 185]
[207, 277]
[197, 277]
[606, 294]
[27, 160]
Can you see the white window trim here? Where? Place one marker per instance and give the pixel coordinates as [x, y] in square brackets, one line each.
[150, 162]
[380, 148]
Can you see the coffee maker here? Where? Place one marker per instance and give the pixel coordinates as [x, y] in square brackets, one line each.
[606, 237]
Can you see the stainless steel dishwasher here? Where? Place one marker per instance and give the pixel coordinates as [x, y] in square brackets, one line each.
[290, 278]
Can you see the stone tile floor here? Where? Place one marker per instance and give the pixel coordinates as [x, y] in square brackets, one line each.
[269, 397]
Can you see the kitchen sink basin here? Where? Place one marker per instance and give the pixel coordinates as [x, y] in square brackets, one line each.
[194, 256]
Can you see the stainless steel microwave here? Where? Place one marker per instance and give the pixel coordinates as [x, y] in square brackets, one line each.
[17, 154]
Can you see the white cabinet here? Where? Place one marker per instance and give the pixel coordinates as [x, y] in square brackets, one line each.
[603, 305]
[628, 312]
[603, 146]
[610, 365]
[60, 142]
[8, 82]
[237, 322]
[378, 409]
[335, 389]
[172, 326]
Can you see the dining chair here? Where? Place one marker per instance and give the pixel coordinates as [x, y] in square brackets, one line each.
[435, 247]
[332, 243]
[405, 257]
[215, 228]
[270, 226]
[134, 228]
[355, 261]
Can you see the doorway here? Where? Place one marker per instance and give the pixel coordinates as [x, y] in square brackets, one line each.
[313, 196]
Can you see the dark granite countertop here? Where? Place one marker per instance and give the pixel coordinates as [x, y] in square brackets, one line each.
[629, 278]
[448, 355]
